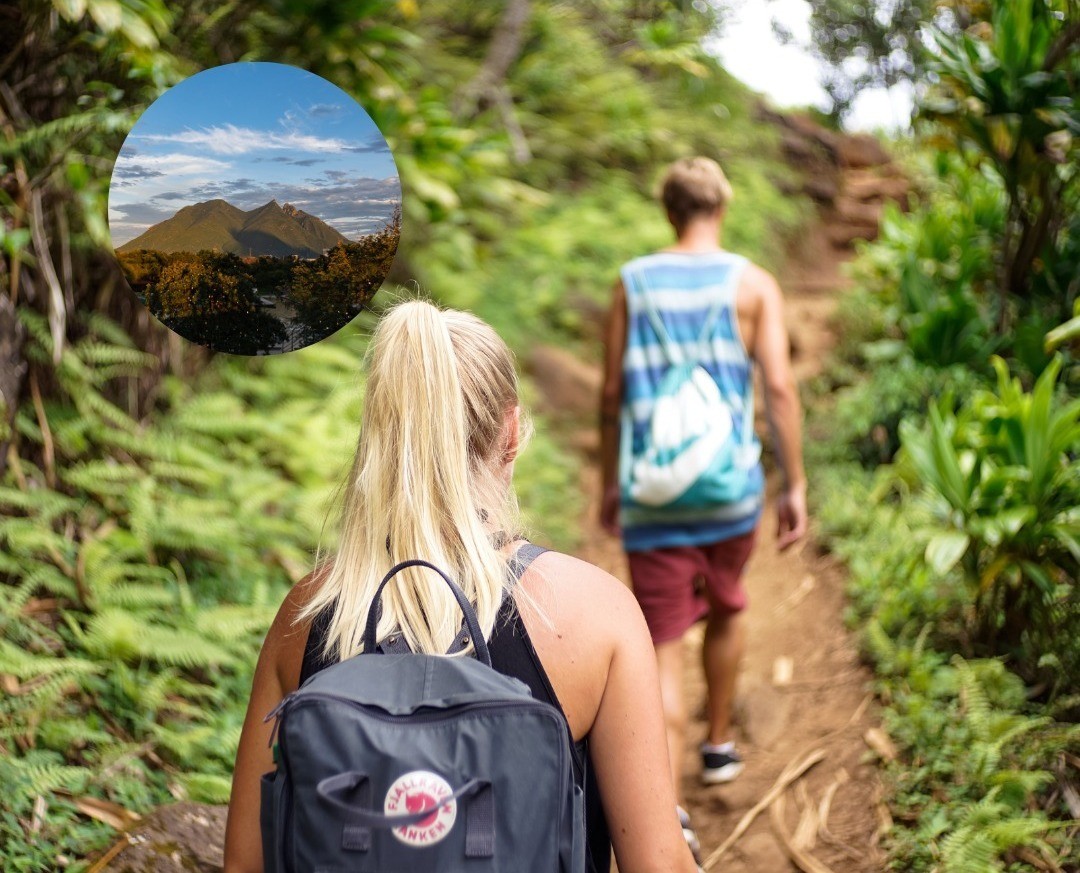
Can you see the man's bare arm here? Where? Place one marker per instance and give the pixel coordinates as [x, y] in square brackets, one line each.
[610, 402]
[772, 352]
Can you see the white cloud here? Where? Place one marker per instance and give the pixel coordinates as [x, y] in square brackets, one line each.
[173, 164]
[229, 139]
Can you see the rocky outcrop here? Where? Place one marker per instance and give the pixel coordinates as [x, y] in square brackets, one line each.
[849, 176]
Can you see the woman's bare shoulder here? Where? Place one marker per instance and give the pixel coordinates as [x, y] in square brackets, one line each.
[583, 593]
[288, 634]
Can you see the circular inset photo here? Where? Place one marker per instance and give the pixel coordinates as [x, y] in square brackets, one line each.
[255, 208]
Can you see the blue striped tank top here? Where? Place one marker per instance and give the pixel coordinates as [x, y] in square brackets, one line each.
[683, 287]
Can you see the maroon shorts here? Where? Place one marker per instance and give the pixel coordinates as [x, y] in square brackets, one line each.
[676, 587]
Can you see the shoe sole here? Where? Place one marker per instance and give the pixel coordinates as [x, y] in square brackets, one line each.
[720, 775]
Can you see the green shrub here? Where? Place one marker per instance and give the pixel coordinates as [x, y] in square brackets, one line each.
[1003, 478]
[971, 784]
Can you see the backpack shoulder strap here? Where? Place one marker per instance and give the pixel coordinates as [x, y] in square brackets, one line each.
[726, 297]
[516, 568]
[671, 351]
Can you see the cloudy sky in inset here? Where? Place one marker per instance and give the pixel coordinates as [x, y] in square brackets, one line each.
[249, 133]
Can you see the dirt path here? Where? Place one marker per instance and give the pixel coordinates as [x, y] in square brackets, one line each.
[796, 608]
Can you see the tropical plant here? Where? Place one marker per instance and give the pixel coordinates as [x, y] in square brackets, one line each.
[1008, 92]
[1003, 477]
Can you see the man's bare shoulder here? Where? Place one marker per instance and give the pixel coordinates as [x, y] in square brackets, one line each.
[758, 284]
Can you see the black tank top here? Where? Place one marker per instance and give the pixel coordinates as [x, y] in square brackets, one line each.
[512, 654]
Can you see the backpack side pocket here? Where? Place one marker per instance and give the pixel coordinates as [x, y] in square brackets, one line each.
[572, 849]
[271, 820]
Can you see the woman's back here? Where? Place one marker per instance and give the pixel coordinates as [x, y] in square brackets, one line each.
[431, 479]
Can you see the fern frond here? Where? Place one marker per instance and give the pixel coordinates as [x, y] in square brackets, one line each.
[100, 355]
[136, 597]
[16, 596]
[206, 787]
[880, 646]
[230, 622]
[90, 402]
[39, 773]
[219, 415]
[102, 478]
[22, 664]
[114, 633]
[187, 474]
[104, 328]
[968, 850]
[24, 536]
[973, 698]
[1024, 781]
[38, 698]
[45, 135]
[43, 503]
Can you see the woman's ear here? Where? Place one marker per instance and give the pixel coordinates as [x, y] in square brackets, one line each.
[512, 429]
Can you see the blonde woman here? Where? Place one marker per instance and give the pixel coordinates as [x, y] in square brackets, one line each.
[440, 431]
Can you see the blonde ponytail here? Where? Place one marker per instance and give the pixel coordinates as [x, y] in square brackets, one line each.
[428, 481]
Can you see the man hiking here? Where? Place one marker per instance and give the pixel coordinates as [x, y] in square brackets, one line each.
[695, 303]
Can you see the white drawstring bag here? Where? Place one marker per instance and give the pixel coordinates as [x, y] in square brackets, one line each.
[693, 457]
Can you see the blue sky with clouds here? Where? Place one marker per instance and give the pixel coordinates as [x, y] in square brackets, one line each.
[249, 133]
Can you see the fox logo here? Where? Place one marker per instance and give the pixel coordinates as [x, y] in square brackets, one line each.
[415, 792]
[419, 801]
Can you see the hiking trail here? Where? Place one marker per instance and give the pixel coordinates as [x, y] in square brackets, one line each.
[802, 687]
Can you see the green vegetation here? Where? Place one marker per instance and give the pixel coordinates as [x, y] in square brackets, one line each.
[330, 291]
[214, 299]
[157, 502]
[950, 457]
[141, 582]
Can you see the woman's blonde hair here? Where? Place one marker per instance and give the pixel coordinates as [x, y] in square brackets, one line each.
[430, 480]
[692, 187]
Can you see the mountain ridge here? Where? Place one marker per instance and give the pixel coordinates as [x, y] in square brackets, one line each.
[270, 229]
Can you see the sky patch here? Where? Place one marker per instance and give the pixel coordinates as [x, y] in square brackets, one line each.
[250, 133]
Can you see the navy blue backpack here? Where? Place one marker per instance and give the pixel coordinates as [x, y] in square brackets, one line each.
[406, 763]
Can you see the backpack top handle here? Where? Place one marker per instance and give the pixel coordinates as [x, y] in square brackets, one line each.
[472, 623]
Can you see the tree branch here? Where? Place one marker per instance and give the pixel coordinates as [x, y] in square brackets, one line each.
[1061, 46]
[503, 50]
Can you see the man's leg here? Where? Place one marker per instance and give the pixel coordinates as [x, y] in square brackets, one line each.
[725, 641]
[722, 653]
[669, 660]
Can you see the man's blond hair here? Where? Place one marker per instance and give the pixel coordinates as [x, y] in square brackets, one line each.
[692, 187]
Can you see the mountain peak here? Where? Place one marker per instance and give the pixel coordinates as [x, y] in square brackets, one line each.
[216, 224]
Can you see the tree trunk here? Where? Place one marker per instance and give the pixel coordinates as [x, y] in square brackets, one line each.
[488, 87]
[503, 50]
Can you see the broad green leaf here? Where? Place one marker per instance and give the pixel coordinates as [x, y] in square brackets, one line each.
[107, 14]
[945, 549]
[1063, 333]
